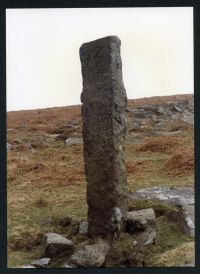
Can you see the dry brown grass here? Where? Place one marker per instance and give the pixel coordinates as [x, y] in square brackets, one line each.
[178, 256]
[160, 144]
[180, 163]
[177, 125]
[158, 100]
[45, 119]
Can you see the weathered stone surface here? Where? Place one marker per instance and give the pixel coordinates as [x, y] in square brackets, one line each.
[83, 228]
[55, 243]
[104, 129]
[140, 220]
[41, 263]
[170, 195]
[187, 219]
[90, 255]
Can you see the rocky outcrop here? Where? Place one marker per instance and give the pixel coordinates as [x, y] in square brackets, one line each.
[170, 195]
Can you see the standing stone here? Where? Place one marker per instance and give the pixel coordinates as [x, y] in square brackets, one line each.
[104, 128]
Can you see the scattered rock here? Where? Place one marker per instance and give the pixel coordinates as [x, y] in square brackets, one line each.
[174, 108]
[190, 264]
[27, 146]
[171, 195]
[90, 255]
[169, 133]
[134, 243]
[55, 243]
[147, 237]
[10, 129]
[157, 109]
[134, 124]
[172, 215]
[47, 221]
[39, 144]
[83, 228]
[188, 118]
[129, 109]
[117, 214]
[9, 146]
[186, 219]
[27, 266]
[116, 221]
[139, 220]
[69, 266]
[41, 263]
[54, 136]
[141, 114]
[73, 141]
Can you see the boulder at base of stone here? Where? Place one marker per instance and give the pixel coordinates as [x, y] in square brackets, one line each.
[90, 255]
[186, 219]
[139, 220]
[83, 228]
[41, 263]
[55, 243]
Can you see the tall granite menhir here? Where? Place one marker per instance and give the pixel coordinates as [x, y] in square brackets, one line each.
[104, 129]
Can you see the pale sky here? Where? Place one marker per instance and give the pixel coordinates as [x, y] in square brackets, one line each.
[42, 52]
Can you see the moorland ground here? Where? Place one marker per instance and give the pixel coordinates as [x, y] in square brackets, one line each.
[46, 183]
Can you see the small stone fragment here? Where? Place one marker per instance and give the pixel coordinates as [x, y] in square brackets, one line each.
[134, 243]
[90, 255]
[139, 220]
[83, 228]
[41, 262]
[55, 243]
